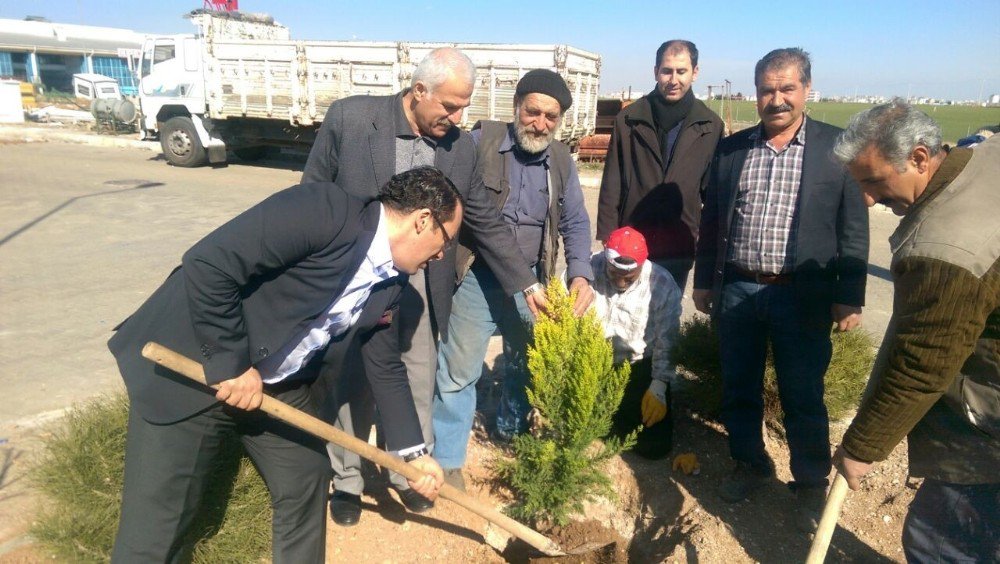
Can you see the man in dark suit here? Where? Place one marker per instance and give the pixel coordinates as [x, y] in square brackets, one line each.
[365, 140]
[267, 302]
[783, 254]
[658, 161]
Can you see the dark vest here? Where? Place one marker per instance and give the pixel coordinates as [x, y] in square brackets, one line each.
[493, 168]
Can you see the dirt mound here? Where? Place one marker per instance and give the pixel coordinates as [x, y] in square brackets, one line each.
[586, 542]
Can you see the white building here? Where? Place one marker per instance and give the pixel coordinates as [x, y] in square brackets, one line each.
[50, 54]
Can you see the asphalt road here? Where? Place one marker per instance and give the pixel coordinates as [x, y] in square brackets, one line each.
[89, 232]
[86, 234]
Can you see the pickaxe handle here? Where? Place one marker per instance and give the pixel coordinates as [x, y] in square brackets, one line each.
[284, 412]
[828, 522]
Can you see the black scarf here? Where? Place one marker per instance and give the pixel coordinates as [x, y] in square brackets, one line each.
[666, 116]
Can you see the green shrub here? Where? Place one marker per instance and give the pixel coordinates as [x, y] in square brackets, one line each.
[576, 390]
[697, 352]
[81, 471]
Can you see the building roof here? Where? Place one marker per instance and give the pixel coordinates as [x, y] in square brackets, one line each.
[94, 77]
[46, 37]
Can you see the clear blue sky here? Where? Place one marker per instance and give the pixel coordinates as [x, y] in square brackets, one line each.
[945, 48]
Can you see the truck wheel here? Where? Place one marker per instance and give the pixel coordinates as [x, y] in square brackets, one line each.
[180, 143]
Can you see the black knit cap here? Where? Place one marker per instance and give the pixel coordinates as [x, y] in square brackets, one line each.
[544, 81]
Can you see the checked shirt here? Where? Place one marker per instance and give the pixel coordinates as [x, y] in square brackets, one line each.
[644, 320]
[764, 217]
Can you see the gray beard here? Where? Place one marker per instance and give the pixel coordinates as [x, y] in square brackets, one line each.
[530, 143]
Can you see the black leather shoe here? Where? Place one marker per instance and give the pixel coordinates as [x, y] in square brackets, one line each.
[345, 508]
[414, 501]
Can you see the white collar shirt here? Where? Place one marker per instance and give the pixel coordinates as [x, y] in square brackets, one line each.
[342, 313]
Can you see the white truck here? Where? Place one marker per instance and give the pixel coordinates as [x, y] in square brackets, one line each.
[242, 84]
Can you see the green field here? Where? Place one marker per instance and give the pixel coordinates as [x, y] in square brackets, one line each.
[956, 121]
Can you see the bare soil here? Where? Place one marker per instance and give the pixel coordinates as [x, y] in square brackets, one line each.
[660, 515]
[18, 501]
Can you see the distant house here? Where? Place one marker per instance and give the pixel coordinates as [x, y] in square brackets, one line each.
[813, 96]
[49, 54]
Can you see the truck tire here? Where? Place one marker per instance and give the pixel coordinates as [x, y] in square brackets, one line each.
[180, 143]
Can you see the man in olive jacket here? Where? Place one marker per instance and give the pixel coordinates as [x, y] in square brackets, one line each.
[937, 376]
[658, 160]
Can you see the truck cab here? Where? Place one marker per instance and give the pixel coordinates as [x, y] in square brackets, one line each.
[172, 98]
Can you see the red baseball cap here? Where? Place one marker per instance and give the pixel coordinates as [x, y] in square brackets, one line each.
[626, 242]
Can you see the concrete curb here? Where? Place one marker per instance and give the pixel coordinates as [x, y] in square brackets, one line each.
[43, 134]
[16, 543]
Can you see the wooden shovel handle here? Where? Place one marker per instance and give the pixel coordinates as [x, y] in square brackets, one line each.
[827, 523]
[284, 412]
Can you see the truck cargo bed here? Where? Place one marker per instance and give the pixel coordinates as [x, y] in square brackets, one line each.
[298, 80]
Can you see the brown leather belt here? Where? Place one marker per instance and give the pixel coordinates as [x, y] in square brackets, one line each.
[761, 277]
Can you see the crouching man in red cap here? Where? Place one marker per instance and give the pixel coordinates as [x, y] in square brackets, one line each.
[639, 306]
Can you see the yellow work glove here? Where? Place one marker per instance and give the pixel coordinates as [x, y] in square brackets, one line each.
[687, 463]
[654, 403]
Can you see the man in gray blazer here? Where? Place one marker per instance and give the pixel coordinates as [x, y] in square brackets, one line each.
[363, 141]
[272, 301]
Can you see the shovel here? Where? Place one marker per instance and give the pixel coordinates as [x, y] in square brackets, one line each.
[283, 412]
[828, 522]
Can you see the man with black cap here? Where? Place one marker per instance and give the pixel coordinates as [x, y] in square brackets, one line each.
[639, 307]
[533, 181]
[658, 160]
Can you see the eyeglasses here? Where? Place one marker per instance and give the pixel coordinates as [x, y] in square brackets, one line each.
[449, 241]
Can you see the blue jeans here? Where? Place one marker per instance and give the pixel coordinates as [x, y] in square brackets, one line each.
[953, 523]
[752, 314]
[478, 309]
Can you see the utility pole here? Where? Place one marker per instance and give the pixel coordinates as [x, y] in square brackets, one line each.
[722, 99]
[729, 109]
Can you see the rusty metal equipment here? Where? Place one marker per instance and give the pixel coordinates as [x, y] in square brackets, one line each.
[114, 114]
[594, 148]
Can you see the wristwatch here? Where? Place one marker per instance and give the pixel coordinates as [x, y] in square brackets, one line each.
[534, 288]
[411, 456]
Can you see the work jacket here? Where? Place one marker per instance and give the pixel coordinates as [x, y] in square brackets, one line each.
[663, 203]
[937, 375]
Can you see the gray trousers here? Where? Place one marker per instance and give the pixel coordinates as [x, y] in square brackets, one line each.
[168, 466]
[357, 414]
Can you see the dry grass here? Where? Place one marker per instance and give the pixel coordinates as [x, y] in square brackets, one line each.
[81, 470]
[697, 352]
